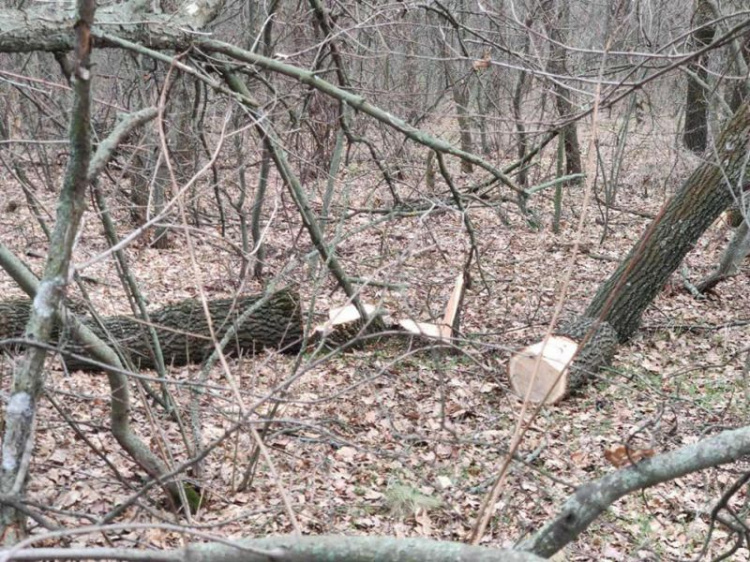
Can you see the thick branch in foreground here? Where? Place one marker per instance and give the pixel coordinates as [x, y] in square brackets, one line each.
[182, 329]
[28, 380]
[593, 498]
[295, 549]
[615, 311]
[48, 26]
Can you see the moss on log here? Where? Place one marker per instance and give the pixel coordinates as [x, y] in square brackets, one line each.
[182, 329]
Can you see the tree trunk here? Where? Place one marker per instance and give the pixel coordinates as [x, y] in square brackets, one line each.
[517, 105]
[615, 312]
[182, 329]
[696, 105]
[741, 53]
[556, 22]
[461, 99]
[28, 379]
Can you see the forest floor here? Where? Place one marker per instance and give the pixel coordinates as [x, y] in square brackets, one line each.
[392, 440]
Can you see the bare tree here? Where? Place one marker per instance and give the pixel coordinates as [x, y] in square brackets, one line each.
[312, 99]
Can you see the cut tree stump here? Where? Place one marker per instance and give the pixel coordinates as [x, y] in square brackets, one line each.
[615, 312]
[450, 324]
[345, 324]
[563, 365]
[182, 329]
[548, 382]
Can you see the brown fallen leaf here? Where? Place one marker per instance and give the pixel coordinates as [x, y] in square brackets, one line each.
[620, 456]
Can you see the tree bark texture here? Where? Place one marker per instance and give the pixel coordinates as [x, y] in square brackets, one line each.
[182, 330]
[696, 106]
[615, 311]
[599, 347]
[354, 549]
[327, 548]
[28, 379]
[713, 187]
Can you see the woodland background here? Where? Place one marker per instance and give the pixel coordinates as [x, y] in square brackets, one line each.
[368, 153]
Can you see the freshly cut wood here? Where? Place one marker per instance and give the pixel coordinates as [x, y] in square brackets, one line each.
[348, 313]
[450, 324]
[615, 312]
[540, 372]
[451, 318]
[565, 364]
[345, 324]
[423, 329]
[182, 329]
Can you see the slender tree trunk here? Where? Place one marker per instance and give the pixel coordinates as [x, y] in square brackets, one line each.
[461, 99]
[731, 260]
[696, 106]
[28, 382]
[740, 52]
[517, 105]
[556, 18]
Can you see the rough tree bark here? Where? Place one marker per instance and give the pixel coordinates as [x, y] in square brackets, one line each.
[696, 105]
[615, 311]
[181, 328]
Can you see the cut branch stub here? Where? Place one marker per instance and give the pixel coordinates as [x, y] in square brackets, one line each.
[563, 364]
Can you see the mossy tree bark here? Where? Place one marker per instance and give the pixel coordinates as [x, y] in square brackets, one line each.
[615, 311]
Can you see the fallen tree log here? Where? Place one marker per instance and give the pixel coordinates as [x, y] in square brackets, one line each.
[182, 329]
[549, 372]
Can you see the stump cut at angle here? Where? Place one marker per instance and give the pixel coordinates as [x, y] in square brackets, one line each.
[450, 324]
[540, 372]
[182, 329]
